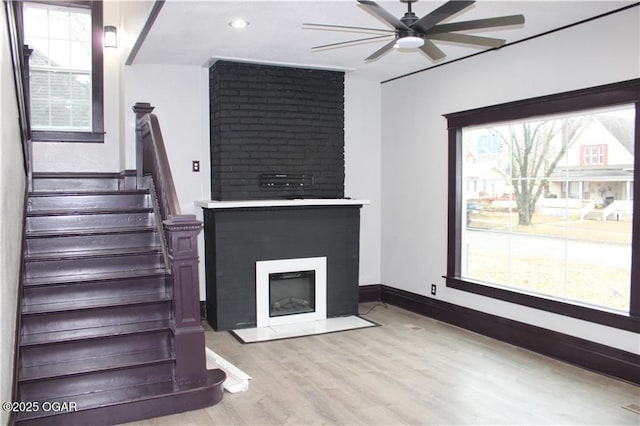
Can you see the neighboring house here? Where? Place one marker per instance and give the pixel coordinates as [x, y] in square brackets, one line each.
[598, 167]
[486, 181]
[596, 170]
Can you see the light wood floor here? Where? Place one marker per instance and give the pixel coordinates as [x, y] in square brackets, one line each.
[411, 370]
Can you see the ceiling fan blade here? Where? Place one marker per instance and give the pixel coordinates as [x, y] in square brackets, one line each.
[468, 39]
[382, 14]
[500, 21]
[343, 27]
[448, 9]
[345, 43]
[432, 50]
[381, 51]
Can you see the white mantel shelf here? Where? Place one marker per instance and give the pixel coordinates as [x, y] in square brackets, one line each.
[301, 202]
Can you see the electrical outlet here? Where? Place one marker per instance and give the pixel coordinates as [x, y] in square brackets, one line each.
[433, 289]
[195, 166]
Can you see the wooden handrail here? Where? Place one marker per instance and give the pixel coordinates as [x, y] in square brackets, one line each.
[152, 159]
[20, 60]
[180, 244]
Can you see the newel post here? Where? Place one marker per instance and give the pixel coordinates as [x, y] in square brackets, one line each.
[182, 232]
[141, 109]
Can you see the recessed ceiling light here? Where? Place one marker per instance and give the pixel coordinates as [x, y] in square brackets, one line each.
[239, 23]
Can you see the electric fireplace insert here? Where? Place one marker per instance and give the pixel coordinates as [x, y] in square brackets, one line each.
[292, 293]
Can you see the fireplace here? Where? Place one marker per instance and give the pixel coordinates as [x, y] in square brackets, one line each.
[290, 291]
[277, 189]
[252, 242]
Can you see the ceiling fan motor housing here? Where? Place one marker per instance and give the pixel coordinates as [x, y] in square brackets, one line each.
[409, 18]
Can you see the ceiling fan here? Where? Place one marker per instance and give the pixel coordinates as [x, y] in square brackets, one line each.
[409, 31]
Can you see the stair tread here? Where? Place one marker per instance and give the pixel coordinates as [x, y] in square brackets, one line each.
[81, 192]
[90, 232]
[88, 401]
[72, 367]
[103, 276]
[103, 302]
[76, 175]
[91, 253]
[88, 211]
[108, 331]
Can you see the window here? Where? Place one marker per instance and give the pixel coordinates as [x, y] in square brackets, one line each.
[65, 70]
[594, 155]
[545, 228]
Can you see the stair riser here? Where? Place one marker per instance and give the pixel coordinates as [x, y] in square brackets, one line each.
[70, 320]
[95, 382]
[75, 184]
[94, 221]
[53, 293]
[127, 262]
[94, 348]
[88, 201]
[61, 244]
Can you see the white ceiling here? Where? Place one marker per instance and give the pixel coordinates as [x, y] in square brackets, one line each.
[196, 32]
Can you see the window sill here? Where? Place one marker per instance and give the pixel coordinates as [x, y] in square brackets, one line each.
[73, 137]
[610, 319]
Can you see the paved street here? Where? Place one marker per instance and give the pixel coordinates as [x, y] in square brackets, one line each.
[611, 255]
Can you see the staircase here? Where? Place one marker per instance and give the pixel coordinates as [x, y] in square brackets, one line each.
[593, 215]
[96, 343]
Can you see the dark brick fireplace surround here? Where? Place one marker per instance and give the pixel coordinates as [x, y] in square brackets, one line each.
[276, 133]
[275, 120]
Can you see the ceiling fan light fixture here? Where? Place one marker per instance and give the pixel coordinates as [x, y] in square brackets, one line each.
[239, 23]
[409, 42]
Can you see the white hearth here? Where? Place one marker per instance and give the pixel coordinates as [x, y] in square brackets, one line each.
[269, 310]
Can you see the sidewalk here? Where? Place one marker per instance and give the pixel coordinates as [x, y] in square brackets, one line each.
[586, 230]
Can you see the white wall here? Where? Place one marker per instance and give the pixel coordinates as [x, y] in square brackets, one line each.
[176, 92]
[12, 182]
[180, 95]
[362, 118]
[133, 17]
[414, 150]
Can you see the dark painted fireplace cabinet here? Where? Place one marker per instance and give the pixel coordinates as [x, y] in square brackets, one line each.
[240, 233]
